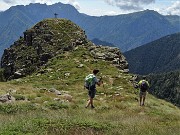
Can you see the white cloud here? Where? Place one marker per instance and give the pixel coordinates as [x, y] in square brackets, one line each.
[174, 9]
[108, 7]
[129, 4]
[74, 3]
[110, 2]
[111, 13]
[9, 1]
[24, 2]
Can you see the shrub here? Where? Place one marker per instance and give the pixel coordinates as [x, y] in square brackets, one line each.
[19, 97]
[14, 108]
[56, 105]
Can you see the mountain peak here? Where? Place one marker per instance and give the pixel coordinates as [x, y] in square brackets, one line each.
[149, 13]
[40, 43]
[46, 40]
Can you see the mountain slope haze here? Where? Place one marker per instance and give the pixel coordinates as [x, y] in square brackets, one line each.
[124, 31]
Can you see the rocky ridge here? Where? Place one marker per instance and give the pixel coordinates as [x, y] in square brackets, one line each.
[46, 40]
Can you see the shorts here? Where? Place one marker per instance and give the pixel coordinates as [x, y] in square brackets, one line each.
[91, 91]
[142, 94]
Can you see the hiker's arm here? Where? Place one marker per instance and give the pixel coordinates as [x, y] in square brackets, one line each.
[138, 85]
[148, 85]
[99, 81]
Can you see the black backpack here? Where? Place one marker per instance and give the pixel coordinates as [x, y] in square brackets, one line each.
[144, 86]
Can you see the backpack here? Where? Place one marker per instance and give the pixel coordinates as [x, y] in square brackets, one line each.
[89, 80]
[144, 86]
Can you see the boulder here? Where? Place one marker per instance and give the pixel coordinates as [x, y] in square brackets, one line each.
[53, 90]
[112, 54]
[67, 97]
[5, 98]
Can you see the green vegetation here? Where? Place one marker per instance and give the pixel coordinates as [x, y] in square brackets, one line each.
[159, 56]
[117, 110]
[43, 41]
[1, 75]
[166, 86]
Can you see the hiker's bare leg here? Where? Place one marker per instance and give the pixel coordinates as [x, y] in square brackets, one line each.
[140, 100]
[144, 98]
[90, 102]
[92, 106]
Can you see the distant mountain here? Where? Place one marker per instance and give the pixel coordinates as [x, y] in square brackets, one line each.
[159, 56]
[125, 31]
[174, 20]
[104, 43]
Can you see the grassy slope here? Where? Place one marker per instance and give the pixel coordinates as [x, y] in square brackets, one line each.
[116, 112]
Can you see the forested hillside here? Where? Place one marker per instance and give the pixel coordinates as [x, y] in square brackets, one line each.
[166, 86]
[159, 56]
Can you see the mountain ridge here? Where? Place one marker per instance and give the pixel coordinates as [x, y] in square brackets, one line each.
[120, 33]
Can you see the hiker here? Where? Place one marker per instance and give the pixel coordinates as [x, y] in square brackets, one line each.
[144, 86]
[90, 84]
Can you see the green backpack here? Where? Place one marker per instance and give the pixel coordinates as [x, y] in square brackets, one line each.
[89, 80]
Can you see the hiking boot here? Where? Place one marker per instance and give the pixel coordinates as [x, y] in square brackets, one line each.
[92, 107]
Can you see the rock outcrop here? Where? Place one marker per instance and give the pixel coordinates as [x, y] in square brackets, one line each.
[47, 39]
[112, 54]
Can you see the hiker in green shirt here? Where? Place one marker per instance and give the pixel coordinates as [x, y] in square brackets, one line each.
[90, 84]
[144, 86]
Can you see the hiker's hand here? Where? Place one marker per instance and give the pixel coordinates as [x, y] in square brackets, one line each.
[99, 81]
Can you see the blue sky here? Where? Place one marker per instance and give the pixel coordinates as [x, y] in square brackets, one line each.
[107, 7]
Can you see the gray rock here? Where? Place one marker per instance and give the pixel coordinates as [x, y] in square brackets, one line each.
[5, 98]
[112, 54]
[57, 99]
[57, 92]
[53, 90]
[80, 66]
[67, 97]
[67, 74]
